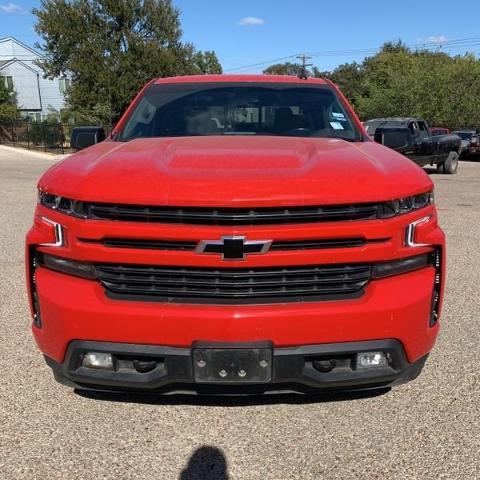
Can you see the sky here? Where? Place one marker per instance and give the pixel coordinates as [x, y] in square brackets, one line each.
[249, 35]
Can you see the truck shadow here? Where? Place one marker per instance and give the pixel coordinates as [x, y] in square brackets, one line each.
[231, 400]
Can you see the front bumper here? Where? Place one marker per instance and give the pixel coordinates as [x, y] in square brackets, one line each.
[293, 369]
[395, 307]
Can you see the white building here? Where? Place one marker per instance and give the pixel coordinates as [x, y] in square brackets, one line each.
[37, 97]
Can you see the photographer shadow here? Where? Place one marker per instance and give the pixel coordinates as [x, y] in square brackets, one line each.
[206, 463]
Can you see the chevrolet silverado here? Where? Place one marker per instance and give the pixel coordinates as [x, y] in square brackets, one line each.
[235, 234]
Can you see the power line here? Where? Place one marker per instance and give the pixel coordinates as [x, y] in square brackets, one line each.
[260, 64]
[446, 45]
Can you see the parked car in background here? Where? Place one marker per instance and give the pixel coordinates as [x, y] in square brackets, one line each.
[412, 137]
[474, 147]
[436, 131]
[466, 136]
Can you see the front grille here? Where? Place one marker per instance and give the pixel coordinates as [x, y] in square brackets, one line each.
[210, 285]
[231, 216]
[144, 244]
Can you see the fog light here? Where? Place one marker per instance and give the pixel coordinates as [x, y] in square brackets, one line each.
[325, 365]
[371, 359]
[100, 360]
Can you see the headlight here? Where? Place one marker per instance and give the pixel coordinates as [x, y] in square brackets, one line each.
[405, 205]
[62, 204]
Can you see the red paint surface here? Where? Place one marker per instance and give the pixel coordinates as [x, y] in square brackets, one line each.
[235, 172]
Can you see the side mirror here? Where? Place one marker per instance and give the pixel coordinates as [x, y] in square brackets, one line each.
[83, 137]
[396, 138]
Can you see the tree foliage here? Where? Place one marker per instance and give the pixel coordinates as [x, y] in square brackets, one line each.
[8, 103]
[397, 81]
[284, 69]
[206, 62]
[350, 78]
[111, 48]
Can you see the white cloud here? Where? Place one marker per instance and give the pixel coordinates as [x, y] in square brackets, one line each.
[436, 39]
[250, 21]
[12, 8]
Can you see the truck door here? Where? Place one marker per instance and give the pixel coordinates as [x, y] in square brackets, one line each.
[425, 151]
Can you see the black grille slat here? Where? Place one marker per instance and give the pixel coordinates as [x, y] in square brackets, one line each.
[230, 285]
[129, 290]
[150, 244]
[240, 273]
[234, 284]
[146, 244]
[314, 244]
[231, 216]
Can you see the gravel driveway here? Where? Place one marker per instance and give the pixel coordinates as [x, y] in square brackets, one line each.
[428, 429]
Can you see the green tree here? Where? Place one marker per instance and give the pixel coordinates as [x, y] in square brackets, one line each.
[444, 90]
[286, 68]
[111, 48]
[389, 89]
[206, 62]
[349, 77]
[8, 103]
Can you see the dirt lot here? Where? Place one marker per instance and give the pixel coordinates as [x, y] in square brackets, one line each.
[428, 429]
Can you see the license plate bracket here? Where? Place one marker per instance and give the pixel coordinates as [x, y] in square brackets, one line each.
[232, 365]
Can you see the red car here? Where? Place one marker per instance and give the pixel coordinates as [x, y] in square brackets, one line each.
[235, 234]
[437, 131]
[474, 147]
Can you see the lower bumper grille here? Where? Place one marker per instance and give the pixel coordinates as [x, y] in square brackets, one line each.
[230, 286]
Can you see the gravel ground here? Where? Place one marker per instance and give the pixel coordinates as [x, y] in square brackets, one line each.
[427, 429]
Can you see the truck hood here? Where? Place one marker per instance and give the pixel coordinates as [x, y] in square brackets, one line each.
[235, 171]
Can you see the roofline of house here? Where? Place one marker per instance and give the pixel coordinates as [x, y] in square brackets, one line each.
[13, 60]
[13, 39]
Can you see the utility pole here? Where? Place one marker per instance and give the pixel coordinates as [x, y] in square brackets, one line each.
[109, 89]
[303, 73]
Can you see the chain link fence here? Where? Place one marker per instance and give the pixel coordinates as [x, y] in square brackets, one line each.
[43, 136]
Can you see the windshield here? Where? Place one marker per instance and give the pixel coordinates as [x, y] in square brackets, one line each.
[372, 125]
[179, 110]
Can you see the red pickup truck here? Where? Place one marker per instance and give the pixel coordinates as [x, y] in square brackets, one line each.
[235, 234]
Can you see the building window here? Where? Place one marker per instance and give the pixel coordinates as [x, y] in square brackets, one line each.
[7, 81]
[35, 116]
[63, 84]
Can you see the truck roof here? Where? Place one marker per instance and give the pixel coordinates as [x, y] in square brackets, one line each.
[241, 78]
[396, 119]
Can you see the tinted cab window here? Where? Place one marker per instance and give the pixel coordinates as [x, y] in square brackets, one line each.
[176, 110]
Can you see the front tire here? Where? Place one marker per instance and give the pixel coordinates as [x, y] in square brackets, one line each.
[450, 165]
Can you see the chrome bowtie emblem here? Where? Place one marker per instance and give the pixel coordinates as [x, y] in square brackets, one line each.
[233, 248]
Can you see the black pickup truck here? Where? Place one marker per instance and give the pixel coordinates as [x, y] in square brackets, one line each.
[412, 138]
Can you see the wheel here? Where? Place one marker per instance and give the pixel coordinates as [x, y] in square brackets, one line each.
[450, 165]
